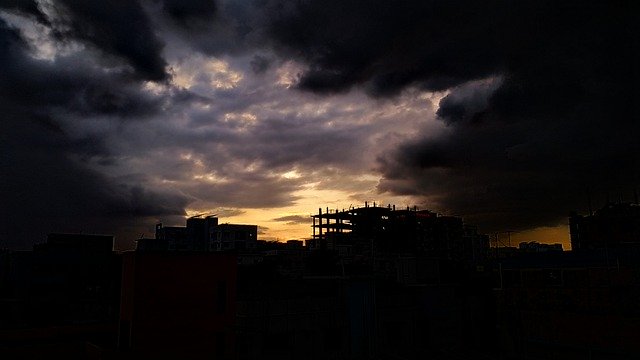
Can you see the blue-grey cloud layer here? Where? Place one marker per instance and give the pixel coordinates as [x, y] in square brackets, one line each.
[540, 107]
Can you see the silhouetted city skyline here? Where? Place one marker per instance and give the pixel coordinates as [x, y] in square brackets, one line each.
[370, 282]
[342, 179]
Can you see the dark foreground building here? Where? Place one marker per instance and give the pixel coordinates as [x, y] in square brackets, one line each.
[178, 305]
[375, 283]
[372, 283]
[569, 305]
[59, 297]
[613, 226]
[360, 317]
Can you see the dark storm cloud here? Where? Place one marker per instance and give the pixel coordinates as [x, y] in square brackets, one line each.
[48, 184]
[385, 46]
[71, 84]
[249, 190]
[190, 14]
[260, 64]
[215, 28]
[118, 29]
[540, 105]
[46, 190]
[25, 6]
[562, 122]
[467, 102]
[296, 137]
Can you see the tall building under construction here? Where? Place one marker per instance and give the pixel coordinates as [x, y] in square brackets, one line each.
[370, 229]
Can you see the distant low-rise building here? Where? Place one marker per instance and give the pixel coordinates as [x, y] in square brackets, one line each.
[537, 247]
[201, 234]
[615, 225]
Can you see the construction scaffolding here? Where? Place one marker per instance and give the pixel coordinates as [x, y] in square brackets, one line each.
[366, 219]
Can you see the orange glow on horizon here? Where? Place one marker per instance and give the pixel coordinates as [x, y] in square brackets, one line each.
[545, 235]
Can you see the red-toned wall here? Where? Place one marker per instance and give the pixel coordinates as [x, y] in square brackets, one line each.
[182, 304]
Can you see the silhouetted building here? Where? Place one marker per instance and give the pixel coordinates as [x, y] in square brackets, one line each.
[233, 237]
[281, 318]
[58, 297]
[476, 245]
[336, 317]
[569, 305]
[369, 229]
[152, 245]
[409, 246]
[615, 225]
[201, 234]
[178, 305]
[67, 280]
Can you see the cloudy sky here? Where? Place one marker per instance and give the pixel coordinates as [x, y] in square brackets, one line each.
[116, 115]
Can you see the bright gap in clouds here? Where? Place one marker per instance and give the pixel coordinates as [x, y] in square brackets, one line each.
[268, 151]
[230, 138]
